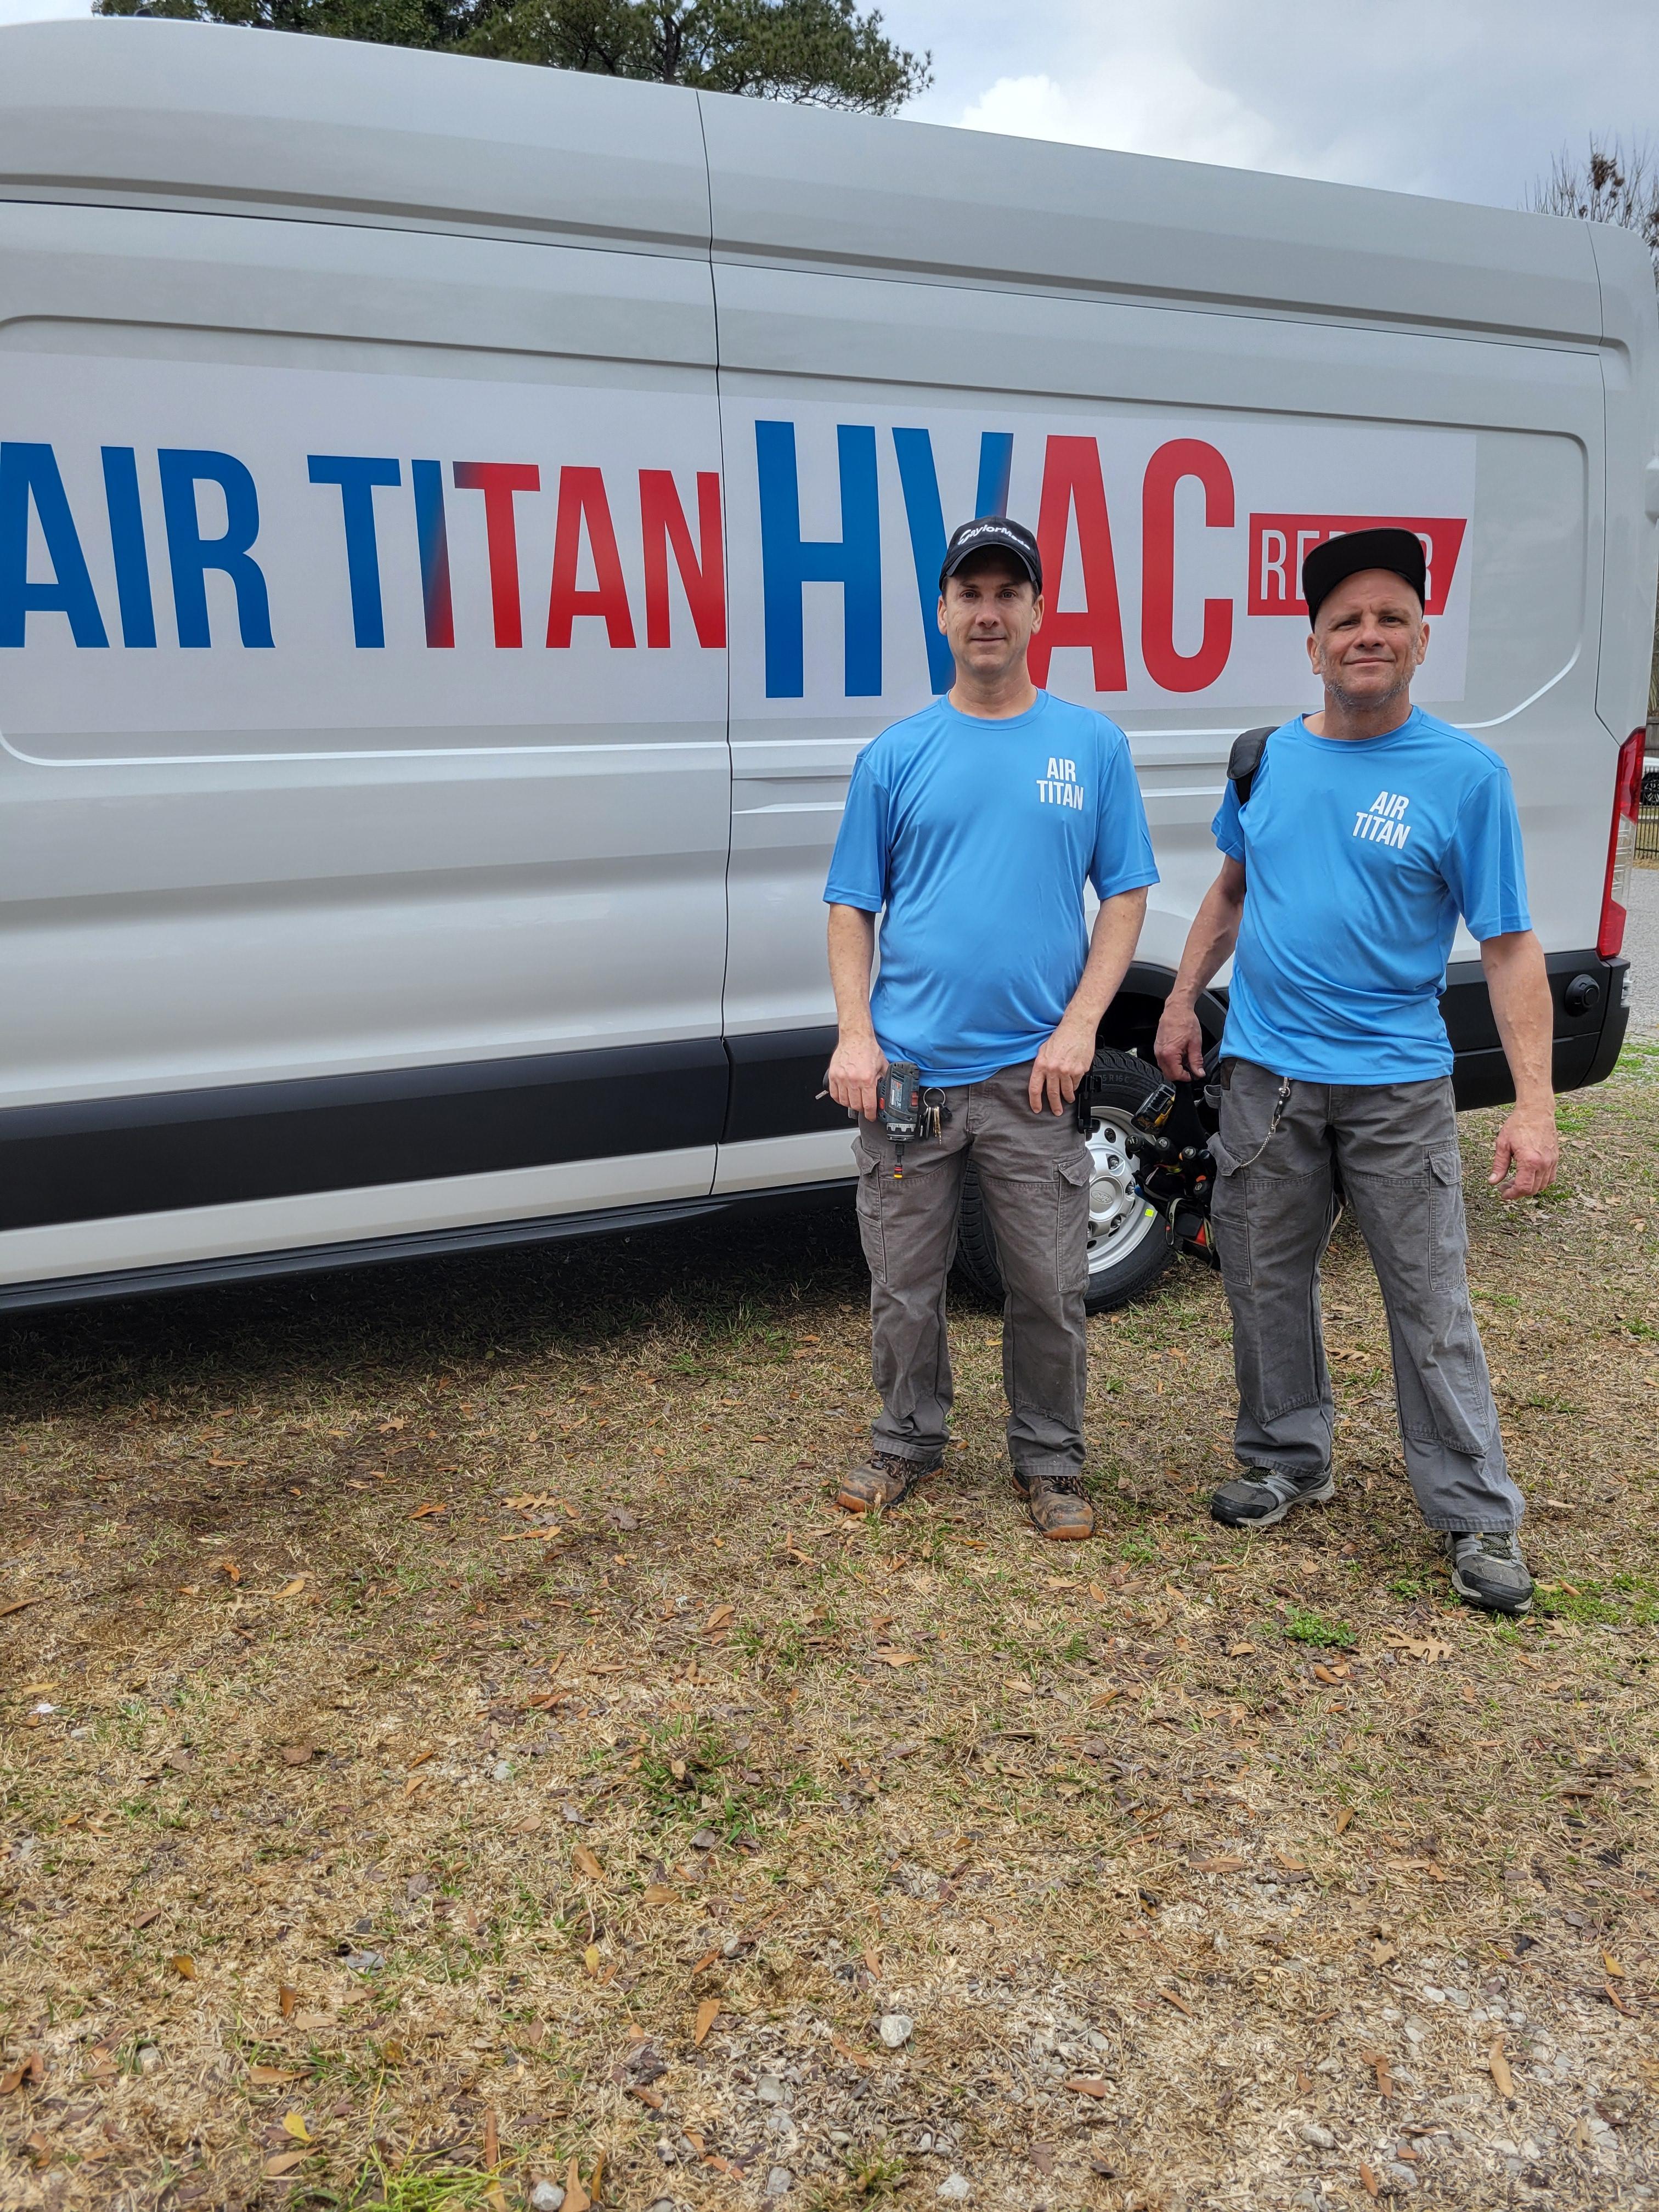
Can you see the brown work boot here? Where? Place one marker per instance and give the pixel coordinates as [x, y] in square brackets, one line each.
[886, 1479]
[1057, 1506]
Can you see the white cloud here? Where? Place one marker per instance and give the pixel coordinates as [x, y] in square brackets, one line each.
[1470, 99]
[1148, 102]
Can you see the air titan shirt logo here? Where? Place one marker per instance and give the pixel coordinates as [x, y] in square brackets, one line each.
[1061, 787]
[1380, 823]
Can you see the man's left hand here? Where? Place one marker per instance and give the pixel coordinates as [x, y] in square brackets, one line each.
[1527, 1151]
[1061, 1066]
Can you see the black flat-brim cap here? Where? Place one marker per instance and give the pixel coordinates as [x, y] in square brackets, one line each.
[992, 533]
[1399, 551]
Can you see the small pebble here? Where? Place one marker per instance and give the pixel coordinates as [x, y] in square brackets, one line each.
[1400, 2175]
[502, 1771]
[896, 2028]
[546, 2196]
[770, 2089]
[1321, 2138]
[778, 2181]
[954, 2189]
[148, 2058]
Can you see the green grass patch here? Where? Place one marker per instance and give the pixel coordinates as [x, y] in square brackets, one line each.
[1620, 1602]
[1301, 1626]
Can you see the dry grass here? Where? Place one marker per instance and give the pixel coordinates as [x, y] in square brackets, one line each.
[360, 1854]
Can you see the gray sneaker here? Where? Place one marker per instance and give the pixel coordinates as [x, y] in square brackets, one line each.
[1261, 1495]
[1488, 1571]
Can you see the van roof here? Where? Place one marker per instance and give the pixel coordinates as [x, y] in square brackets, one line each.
[155, 112]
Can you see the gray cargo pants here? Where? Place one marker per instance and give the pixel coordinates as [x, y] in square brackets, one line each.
[1034, 1170]
[1395, 1147]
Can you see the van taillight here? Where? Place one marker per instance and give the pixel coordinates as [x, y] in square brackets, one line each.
[1621, 843]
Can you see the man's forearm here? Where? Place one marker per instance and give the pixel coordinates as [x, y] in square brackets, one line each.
[1517, 984]
[1211, 943]
[1111, 948]
[851, 955]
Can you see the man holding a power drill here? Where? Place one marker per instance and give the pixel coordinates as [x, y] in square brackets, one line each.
[972, 829]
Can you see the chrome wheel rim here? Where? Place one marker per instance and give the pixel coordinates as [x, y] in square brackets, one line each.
[1120, 1219]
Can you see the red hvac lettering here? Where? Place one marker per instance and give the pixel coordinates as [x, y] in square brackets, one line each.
[1280, 542]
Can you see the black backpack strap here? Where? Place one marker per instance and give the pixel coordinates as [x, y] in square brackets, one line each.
[1245, 759]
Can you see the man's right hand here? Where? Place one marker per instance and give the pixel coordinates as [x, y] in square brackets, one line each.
[1178, 1046]
[856, 1068]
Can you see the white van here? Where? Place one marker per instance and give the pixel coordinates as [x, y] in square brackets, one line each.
[459, 523]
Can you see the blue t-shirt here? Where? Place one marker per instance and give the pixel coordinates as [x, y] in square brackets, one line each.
[977, 837]
[1359, 855]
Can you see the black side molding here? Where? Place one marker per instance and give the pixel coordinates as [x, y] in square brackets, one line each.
[84, 1161]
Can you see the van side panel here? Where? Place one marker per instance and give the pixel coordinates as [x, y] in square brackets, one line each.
[362, 709]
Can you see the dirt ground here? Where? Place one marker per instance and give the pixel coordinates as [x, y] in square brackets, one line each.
[453, 1751]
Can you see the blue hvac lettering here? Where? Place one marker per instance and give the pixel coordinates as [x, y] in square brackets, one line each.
[924, 511]
[853, 560]
[31, 485]
[788, 561]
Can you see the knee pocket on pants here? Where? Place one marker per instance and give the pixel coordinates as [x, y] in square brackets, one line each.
[1042, 1224]
[1447, 1228]
[872, 1233]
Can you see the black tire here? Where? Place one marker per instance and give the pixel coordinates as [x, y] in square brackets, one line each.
[1125, 1257]
[1650, 787]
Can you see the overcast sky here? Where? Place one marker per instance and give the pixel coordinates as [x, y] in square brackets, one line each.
[1465, 98]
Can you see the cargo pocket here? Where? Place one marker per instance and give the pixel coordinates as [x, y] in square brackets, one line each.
[1072, 1179]
[1448, 1235]
[1229, 1217]
[871, 1230]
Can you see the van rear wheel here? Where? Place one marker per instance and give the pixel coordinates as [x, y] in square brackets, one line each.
[1130, 1243]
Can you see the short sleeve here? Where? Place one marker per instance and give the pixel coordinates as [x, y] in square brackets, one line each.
[1484, 867]
[1123, 858]
[1227, 828]
[858, 866]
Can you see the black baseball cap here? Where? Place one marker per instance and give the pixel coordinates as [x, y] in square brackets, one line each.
[992, 533]
[1399, 551]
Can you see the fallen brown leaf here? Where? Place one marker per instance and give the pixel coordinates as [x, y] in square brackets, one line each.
[265, 2074]
[284, 2162]
[422, 1512]
[1173, 1997]
[585, 1864]
[1368, 2180]
[708, 2013]
[286, 2000]
[183, 1964]
[1085, 2086]
[297, 1754]
[1223, 1862]
[1344, 1819]
[1503, 2078]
